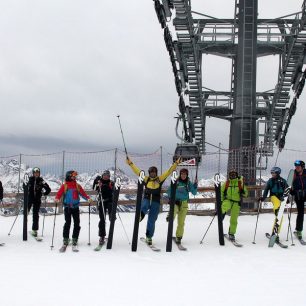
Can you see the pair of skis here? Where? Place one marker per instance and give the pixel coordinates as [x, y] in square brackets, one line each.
[140, 187]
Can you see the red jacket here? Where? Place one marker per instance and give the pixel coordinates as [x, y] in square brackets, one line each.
[71, 192]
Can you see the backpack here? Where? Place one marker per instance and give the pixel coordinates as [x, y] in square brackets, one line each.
[240, 186]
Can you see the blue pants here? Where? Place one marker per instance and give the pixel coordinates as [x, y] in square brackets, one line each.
[153, 208]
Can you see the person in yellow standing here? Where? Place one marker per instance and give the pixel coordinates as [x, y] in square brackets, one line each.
[152, 195]
[232, 192]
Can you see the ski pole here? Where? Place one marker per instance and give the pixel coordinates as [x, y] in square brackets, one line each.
[89, 222]
[127, 237]
[43, 226]
[289, 224]
[52, 246]
[258, 210]
[9, 233]
[208, 227]
[118, 116]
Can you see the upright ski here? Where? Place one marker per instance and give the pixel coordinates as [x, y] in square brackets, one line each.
[171, 211]
[114, 212]
[25, 206]
[217, 183]
[138, 208]
[278, 218]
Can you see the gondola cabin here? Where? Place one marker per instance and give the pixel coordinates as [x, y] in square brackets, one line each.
[189, 153]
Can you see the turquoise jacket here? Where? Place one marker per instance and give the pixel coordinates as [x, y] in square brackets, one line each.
[183, 189]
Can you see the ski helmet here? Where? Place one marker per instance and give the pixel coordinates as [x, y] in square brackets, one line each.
[69, 174]
[276, 170]
[299, 163]
[106, 172]
[184, 170]
[35, 170]
[152, 169]
[232, 174]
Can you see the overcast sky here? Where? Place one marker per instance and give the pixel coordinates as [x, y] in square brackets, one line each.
[68, 67]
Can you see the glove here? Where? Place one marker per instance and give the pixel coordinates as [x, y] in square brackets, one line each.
[57, 201]
[90, 201]
[288, 200]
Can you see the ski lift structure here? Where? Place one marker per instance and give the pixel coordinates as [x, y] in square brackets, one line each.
[189, 153]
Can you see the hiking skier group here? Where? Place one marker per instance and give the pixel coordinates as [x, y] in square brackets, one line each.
[233, 190]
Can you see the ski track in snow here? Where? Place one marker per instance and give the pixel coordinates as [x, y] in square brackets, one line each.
[207, 274]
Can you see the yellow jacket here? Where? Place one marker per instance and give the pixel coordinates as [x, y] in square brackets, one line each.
[153, 185]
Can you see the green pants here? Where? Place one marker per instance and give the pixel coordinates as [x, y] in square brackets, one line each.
[234, 207]
[181, 212]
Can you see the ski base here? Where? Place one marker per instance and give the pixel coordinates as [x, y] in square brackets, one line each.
[273, 241]
[37, 238]
[301, 240]
[152, 247]
[234, 242]
[179, 245]
[63, 249]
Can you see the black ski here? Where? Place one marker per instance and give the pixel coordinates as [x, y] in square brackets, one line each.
[234, 242]
[302, 241]
[179, 245]
[217, 183]
[25, 206]
[113, 214]
[138, 208]
[171, 211]
[284, 246]
[151, 246]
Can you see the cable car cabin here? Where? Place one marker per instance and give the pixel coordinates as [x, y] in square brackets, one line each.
[189, 152]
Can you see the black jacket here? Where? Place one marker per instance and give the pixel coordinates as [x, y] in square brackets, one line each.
[37, 188]
[107, 188]
[1, 191]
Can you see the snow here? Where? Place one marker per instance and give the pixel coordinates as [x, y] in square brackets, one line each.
[207, 274]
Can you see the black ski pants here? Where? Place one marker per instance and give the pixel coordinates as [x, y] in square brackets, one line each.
[75, 214]
[300, 214]
[105, 206]
[36, 203]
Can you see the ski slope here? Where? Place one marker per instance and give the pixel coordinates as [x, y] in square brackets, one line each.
[207, 274]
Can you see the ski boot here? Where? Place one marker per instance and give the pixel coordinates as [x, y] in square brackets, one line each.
[299, 235]
[178, 240]
[149, 241]
[101, 240]
[34, 233]
[231, 237]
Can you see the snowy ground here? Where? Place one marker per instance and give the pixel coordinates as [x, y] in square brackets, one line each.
[208, 274]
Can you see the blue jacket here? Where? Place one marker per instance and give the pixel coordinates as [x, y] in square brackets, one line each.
[182, 190]
[276, 187]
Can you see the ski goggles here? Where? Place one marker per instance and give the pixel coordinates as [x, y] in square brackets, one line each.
[298, 163]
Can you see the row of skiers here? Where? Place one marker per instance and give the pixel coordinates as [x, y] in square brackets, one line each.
[232, 192]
